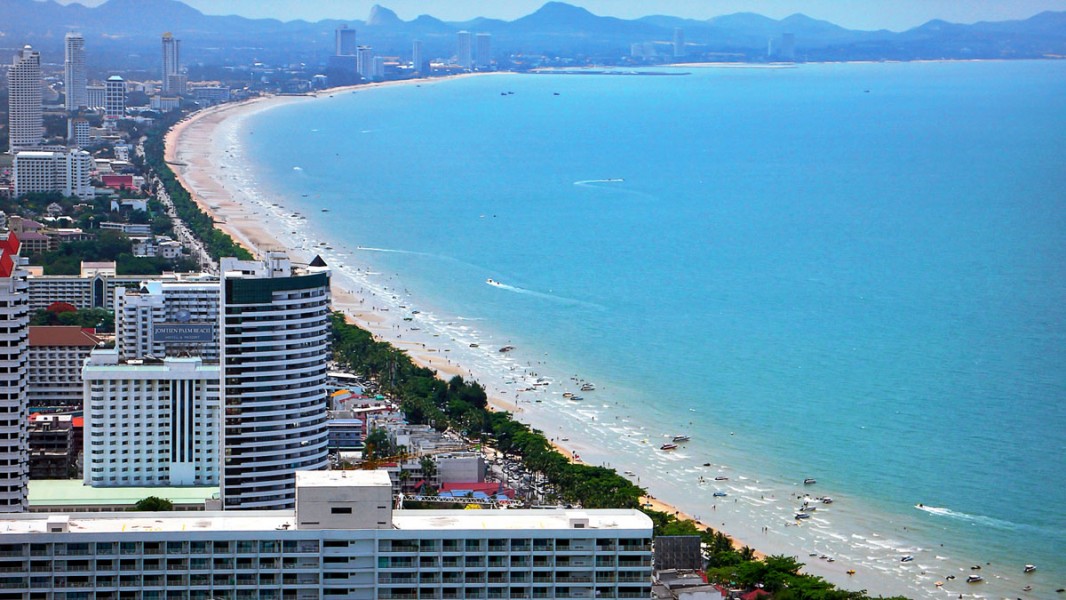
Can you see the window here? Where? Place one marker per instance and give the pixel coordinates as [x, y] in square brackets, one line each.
[341, 510]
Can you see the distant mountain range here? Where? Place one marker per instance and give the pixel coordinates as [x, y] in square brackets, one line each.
[129, 30]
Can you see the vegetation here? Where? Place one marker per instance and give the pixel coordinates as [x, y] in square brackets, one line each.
[153, 504]
[217, 243]
[103, 320]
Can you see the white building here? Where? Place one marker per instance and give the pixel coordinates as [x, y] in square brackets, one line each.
[275, 345]
[96, 96]
[171, 66]
[168, 318]
[165, 103]
[115, 99]
[94, 287]
[24, 116]
[344, 41]
[14, 343]
[69, 173]
[364, 61]
[464, 51]
[343, 540]
[377, 70]
[74, 74]
[78, 133]
[56, 355]
[484, 50]
[150, 423]
[416, 57]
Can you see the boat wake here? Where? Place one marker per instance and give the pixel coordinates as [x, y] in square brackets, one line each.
[976, 519]
[389, 251]
[590, 182]
[535, 294]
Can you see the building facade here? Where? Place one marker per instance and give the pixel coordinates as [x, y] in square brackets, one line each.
[464, 51]
[171, 65]
[56, 356]
[74, 74]
[416, 58]
[150, 423]
[484, 50]
[364, 62]
[78, 133]
[115, 99]
[275, 346]
[344, 41]
[69, 173]
[24, 116]
[14, 343]
[168, 318]
[96, 96]
[342, 541]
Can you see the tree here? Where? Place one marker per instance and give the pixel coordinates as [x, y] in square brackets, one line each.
[154, 504]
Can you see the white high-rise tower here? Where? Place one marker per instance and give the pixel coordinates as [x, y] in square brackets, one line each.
[171, 64]
[484, 50]
[275, 344]
[74, 78]
[344, 41]
[24, 117]
[464, 51]
[416, 57]
[14, 354]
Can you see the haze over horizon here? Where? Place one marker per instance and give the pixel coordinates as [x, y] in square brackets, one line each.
[853, 14]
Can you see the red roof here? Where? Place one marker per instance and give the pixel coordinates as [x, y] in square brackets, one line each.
[63, 335]
[8, 250]
[78, 422]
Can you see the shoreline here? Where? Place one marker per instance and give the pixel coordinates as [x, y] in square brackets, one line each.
[373, 316]
[188, 152]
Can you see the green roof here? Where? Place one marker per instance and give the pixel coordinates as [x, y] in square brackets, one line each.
[72, 492]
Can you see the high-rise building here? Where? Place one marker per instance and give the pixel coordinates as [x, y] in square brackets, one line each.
[115, 100]
[14, 353]
[484, 50]
[65, 172]
[77, 133]
[171, 65]
[364, 63]
[464, 50]
[788, 46]
[377, 71]
[56, 355]
[416, 57]
[74, 77]
[24, 116]
[679, 42]
[344, 41]
[275, 344]
[150, 422]
[167, 318]
[96, 96]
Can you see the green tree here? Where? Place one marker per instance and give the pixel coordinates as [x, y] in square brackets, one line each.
[154, 504]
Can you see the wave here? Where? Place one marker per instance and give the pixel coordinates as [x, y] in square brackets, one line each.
[536, 294]
[589, 182]
[976, 519]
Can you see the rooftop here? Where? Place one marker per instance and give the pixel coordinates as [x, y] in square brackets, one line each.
[72, 492]
[63, 335]
[373, 478]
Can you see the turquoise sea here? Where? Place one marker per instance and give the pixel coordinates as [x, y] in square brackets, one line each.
[850, 272]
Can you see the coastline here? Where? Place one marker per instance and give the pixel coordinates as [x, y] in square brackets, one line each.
[188, 150]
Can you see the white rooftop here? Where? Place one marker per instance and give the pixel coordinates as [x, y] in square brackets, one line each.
[414, 520]
[360, 478]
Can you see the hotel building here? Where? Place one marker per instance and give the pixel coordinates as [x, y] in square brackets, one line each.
[66, 172]
[464, 49]
[74, 75]
[416, 57]
[14, 342]
[275, 345]
[343, 540]
[115, 99]
[484, 50]
[56, 356]
[24, 117]
[173, 81]
[168, 318]
[344, 41]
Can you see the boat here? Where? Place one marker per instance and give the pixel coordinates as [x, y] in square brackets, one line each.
[974, 579]
[809, 481]
[1027, 588]
[721, 478]
[1029, 568]
[707, 465]
[827, 500]
[851, 571]
[577, 398]
[506, 348]
[668, 447]
[491, 281]
[568, 394]
[907, 558]
[802, 515]
[719, 494]
[473, 345]
[681, 438]
[588, 387]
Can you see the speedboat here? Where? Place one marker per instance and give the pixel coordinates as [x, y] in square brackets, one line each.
[568, 394]
[809, 481]
[577, 398]
[719, 494]
[827, 500]
[802, 515]
[492, 281]
[588, 387]
[681, 438]
[721, 478]
[907, 558]
[668, 447]
[1029, 568]
[974, 579]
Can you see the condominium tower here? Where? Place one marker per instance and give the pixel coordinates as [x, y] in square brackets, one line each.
[416, 57]
[115, 101]
[74, 77]
[14, 350]
[464, 50]
[344, 41]
[484, 50]
[275, 344]
[171, 65]
[24, 117]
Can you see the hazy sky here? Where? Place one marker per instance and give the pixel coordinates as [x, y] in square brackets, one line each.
[854, 14]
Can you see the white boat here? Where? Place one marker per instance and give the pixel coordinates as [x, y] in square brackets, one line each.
[827, 500]
[907, 558]
[809, 481]
[1029, 568]
[681, 438]
[721, 478]
[491, 281]
[668, 447]
[588, 387]
[802, 515]
[974, 579]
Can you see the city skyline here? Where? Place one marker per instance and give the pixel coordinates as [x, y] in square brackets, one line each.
[869, 15]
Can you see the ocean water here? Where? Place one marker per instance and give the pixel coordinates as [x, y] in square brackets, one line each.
[850, 272]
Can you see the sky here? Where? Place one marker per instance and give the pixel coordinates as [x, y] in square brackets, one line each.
[895, 15]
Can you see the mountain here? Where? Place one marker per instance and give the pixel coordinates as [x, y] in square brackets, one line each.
[125, 34]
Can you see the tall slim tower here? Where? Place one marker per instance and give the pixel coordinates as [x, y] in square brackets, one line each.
[484, 50]
[275, 344]
[344, 40]
[679, 42]
[14, 352]
[115, 99]
[24, 118]
[74, 78]
[416, 57]
[364, 62]
[171, 64]
[464, 50]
